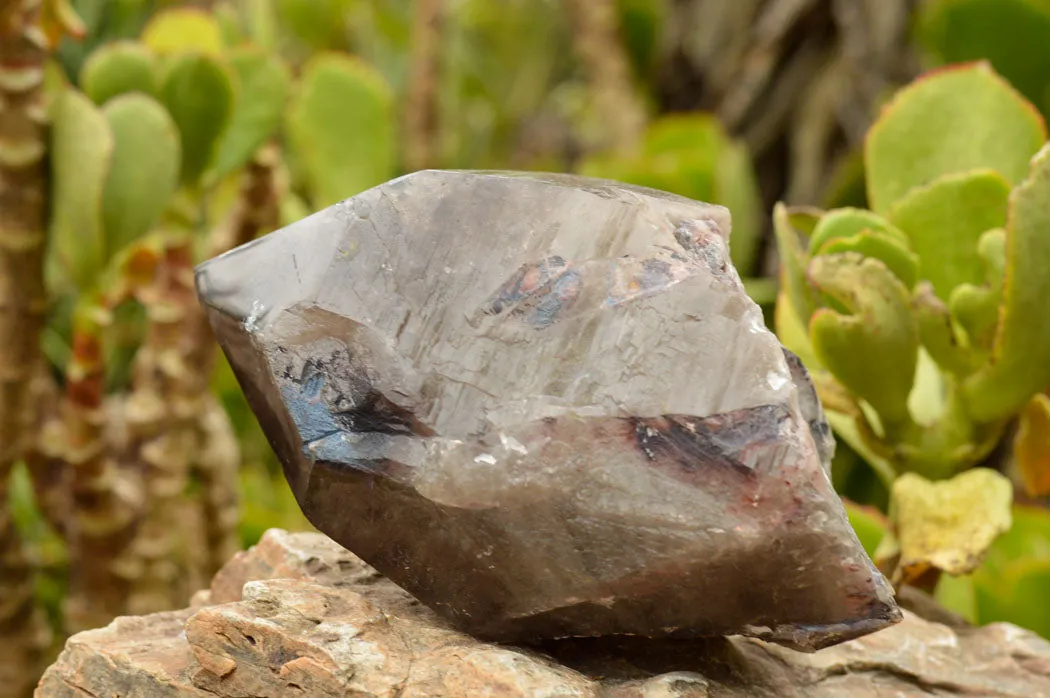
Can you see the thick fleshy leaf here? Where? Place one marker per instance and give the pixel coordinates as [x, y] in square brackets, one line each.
[1020, 362]
[198, 92]
[793, 263]
[884, 247]
[847, 222]
[1016, 596]
[948, 524]
[869, 524]
[316, 23]
[872, 350]
[944, 221]
[81, 148]
[642, 22]
[182, 29]
[959, 595]
[138, 188]
[118, 68]
[263, 83]
[1032, 446]
[952, 120]
[1011, 34]
[737, 189]
[341, 128]
[1016, 554]
[975, 309]
[937, 333]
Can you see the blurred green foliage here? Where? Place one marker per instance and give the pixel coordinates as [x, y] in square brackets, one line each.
[915, 316]
[917, 320]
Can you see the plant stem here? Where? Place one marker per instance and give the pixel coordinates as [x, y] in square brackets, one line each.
[22, 303]
[600, 47]
[106, 499]
[421, 104]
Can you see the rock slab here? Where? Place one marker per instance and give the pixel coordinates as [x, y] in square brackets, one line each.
[298, 615]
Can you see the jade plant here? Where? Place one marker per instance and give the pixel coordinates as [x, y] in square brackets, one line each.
[921, 321]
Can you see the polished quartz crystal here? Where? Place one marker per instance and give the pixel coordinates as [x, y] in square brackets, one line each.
[545, 406]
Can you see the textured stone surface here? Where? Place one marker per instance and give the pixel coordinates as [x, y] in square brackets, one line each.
[546, 407]
[300, 616]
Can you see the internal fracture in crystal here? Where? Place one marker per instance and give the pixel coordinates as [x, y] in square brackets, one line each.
[545, 406]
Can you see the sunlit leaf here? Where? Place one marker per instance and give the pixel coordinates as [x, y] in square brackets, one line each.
[1020, 361]
[263, 83]
[341, 126]
[873, 349]
[198, 91]
[1011, 34]
[944, 221]
[949, 524]
[180, 29]
[81, 148]
[119, 68]
[847, 222]
[138, 188]
[868, 523]
[884, 247]
[793, 264]
[952, 120]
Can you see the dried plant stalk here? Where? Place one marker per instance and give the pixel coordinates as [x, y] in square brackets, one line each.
[169, 382]
[107, 499]
[600, 48]
[421, 126]
[22, 304]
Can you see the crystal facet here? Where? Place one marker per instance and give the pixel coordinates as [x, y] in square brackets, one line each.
[545, 406]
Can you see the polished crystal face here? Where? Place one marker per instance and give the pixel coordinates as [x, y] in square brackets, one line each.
[545, 406]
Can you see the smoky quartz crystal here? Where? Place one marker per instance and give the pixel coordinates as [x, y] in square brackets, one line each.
[545, 406]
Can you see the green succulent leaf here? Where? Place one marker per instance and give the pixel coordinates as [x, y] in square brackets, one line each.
[937, 332]
[881, 246]
[1011, 34]
[81, 148]
[1020, 361]
[642, 21]
[119, 68]
[314, 22]
[181, 29]
[873, 350]
[791, 332]
[263, 83]
[944, 221]
[1011, 584]
[975, 309]
[138, 188]
[847, 222]
[868, 523]
[737, 189]
[341, 128]
[1017, 595]
[953, 120]
[793, 263]
[199, 93]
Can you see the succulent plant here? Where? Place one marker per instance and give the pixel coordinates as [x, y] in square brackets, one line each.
[919, 317]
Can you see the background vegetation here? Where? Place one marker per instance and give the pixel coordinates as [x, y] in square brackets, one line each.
[905, 261]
